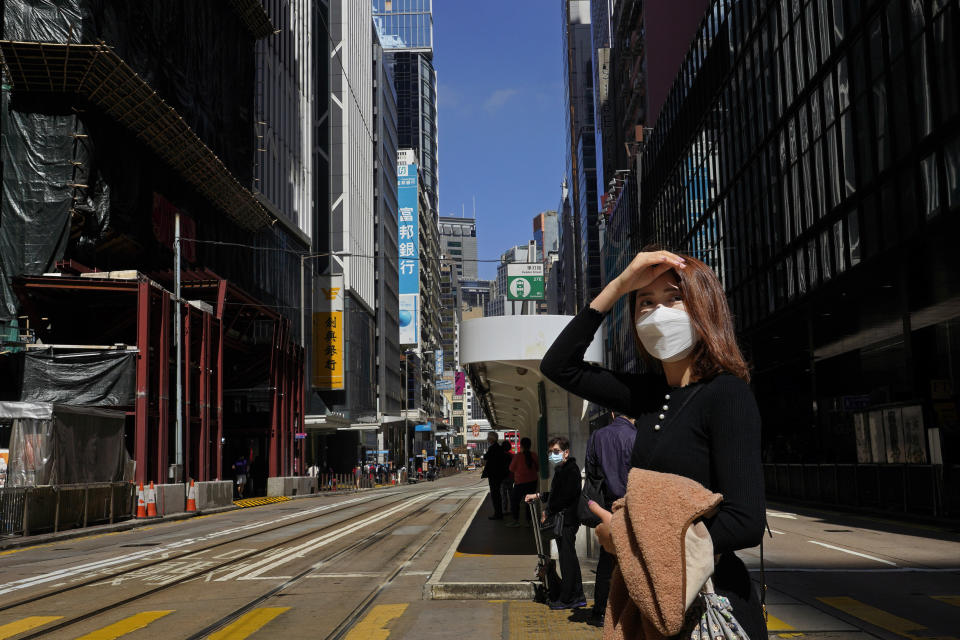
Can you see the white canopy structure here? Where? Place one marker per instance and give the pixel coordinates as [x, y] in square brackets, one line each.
[502, 355]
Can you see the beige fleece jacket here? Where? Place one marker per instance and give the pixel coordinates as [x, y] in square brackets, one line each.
[648, 589]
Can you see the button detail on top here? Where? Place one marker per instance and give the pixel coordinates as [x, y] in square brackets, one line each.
[656, 427]
[665, 407]
[666, 397]
[662, 416]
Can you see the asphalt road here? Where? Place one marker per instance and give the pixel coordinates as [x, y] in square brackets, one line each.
[354, 566]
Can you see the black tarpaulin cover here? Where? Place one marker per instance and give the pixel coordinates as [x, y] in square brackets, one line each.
[59, 444]
[98, 378]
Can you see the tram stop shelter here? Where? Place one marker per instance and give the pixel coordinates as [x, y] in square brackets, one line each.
[502, 357]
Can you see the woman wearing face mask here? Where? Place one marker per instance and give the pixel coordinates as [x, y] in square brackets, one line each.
[695, 414]
[564, 496]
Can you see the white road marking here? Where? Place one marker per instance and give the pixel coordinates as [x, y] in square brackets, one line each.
[416, 573]
[90, 569]
[853, 553]
[358, 574]
[780, 514]
[284, 556]
[780, 533]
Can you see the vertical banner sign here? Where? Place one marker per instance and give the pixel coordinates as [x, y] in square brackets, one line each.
[328, 353]
[438, 361]
[460, 383]
[408, 240]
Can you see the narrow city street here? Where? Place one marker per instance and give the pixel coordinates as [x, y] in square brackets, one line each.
[356, 565]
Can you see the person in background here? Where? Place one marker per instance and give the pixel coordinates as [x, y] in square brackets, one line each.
[607, 465]
[564, 497]
[313, 470]
[240, 468]
[524, 468]
[494, 470]
[506, 487]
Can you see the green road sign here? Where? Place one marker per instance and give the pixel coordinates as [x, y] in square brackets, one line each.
[525, 281]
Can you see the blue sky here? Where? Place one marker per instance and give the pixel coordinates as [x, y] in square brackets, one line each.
[500, 115]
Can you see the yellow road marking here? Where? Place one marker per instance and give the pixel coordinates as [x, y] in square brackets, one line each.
[248, 624]
[458, 554]
[954, 600]
[18, 627]
[776, 624]
[372, 625]
[125, 626]
[878, 617]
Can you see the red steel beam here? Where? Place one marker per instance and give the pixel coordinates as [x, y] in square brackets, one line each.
[204, 390]
[219, 400]
[274, 448]
[221, 308]
[143, 375]
[163, 384]
[187, 443]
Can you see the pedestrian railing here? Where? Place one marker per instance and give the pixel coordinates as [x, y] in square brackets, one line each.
[902, 488]
[29, 510]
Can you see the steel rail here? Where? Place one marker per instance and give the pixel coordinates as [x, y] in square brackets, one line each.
[351, 618]
[186, 554]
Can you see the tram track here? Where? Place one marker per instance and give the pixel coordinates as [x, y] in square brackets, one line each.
[320, 512]
[357, 613]
[333, 531]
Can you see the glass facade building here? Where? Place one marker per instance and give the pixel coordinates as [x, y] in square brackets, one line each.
[407, 24]
[810, 152]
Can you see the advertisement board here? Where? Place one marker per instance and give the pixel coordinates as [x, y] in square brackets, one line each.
[409, 318]
[460, 383]
[328, 356]
[408, 234]
[438, 361]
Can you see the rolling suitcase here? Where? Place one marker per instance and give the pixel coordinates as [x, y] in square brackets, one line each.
[547, 583]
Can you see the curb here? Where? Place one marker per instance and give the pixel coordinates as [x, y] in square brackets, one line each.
[524, 590]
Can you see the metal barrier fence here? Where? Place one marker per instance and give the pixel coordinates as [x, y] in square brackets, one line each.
[902, 488]
[28, 510]
[350, 482]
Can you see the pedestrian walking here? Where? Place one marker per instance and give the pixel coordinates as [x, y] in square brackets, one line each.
[525, 468]
[563, 498]
[606, 466]
[494, 470]
[695, 414]
[313, 470]
[240, 470]
[506, 486]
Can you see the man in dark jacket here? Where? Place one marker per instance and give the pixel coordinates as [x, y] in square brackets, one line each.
[495, 469]
[607, 466]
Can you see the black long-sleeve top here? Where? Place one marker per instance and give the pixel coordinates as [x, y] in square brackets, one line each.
[710, 431]
[564, 492]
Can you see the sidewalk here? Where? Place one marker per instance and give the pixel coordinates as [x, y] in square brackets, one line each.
[491, 561]
[494, 566]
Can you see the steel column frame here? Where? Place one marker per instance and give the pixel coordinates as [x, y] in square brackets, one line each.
[285, 463]
[291, 422]
[187, 430]
[163, 383]
[203, 450]
[221, 306]
[274, 408]
[141, 406]
[299, 381]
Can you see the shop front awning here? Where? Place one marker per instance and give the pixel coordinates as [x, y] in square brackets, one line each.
[95, 74]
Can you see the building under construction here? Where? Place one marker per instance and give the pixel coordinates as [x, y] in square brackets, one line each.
[117, 120]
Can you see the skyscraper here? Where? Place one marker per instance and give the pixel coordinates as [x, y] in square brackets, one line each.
[458, 244]
[407, 30]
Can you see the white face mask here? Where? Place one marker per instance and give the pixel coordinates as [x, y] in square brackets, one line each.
[667, 334]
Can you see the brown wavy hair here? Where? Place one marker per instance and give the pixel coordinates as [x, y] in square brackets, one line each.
[717, 350]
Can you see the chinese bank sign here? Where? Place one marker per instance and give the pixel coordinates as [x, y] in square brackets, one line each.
[408, 239]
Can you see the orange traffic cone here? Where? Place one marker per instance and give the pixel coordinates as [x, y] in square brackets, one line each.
[141, 507]
[191, 497]
[151, 501]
